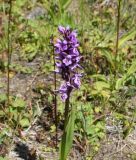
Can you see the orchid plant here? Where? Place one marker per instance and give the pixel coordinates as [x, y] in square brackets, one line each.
[67, 57]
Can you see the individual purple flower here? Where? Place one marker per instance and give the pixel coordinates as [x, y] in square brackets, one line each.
[63, 90]
[68, 58]
[76, 80]
[64, 96]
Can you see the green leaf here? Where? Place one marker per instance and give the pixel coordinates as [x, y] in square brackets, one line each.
[3, 97]
[100, 85]
[120, 82]
[19, 103]
[109, 55]
[67, 3]
[99, 77]
[90, 130]
[63, 3]
[132, 68]
[68, 135]
[24, 122]
[127, 37]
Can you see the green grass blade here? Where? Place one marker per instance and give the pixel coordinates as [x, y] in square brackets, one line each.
[66, 5]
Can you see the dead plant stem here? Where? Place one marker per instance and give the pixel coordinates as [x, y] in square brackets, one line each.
[55, 99]
[118, 28]
[9, 51]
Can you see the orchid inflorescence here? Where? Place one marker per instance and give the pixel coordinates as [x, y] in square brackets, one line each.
[67, 61]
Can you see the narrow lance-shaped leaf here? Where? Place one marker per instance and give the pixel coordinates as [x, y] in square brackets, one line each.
[68, 135]
[127, 37]
[132, 68]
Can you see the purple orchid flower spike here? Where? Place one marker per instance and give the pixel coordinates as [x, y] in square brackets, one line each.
[68, 58]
